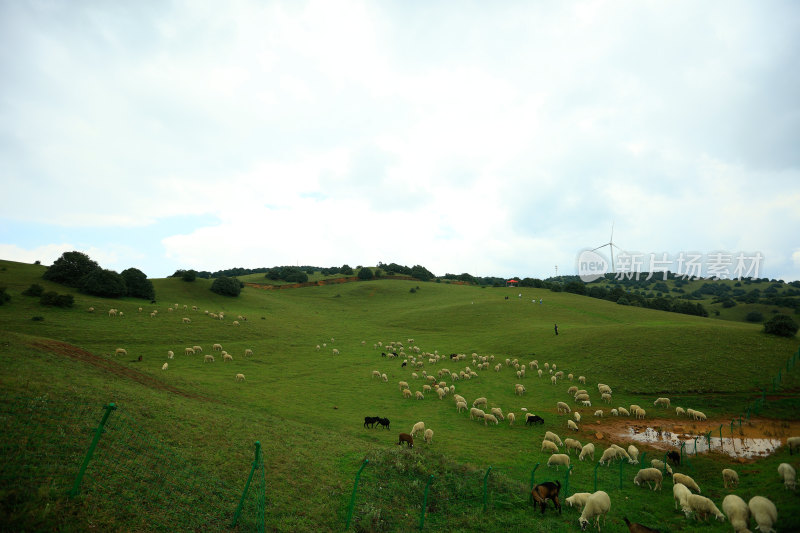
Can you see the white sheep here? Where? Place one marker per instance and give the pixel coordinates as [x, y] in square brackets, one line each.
[426, 388]
[553, 380]
[428, 436]
[488, 417]
[419, 396]
[586, 403]
[235, 323]
[572, 390]
[208, 358]
[419, 427]
[729, 478]
[764, 513]
[570, 376]
[640, 413]
[187, 320]
[633, 451]
[442, 392]
[407, 393]
[197, 349]
[227, 357]
[614, 412]
[170, 354]
[549, 446]
[599, 413]
[402, 384]
[661, 465]
[540, 372]
[189, 351]
[497, 412]
[248, 352]
[578, 499]
[664, 402]
[480, 401]
[737, 512]
[588, 450]
[239, 377]
[458, 398]
[511, 417]
[597, 505]
[623, 411]
[572, 444]
[793, 443]
[789, 476]
[686, 480]
[608, 456]
[634, 407]
[549, 435]
[680, 493]
[702, 507]
[581, 396]
[558, 459]
[121, 351]
[649, 475]
[582, 379]
[459, 405]
[679, 411]
[164, 366]
[572, 425]
[622, 453]
[384, 378]
[577, 416]
[217, 347]
[606, 397]
[474, 413]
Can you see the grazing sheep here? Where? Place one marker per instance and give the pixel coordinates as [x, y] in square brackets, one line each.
[563, 408]
[164, 366]
[419, 427]
[112, 312]
[558, 459]
[480, 401]
[679, 411]
[377, 374]
[532, 419]
[634, 407]
[474, 413]
[217, 348]
[664, 402]
[426, 388]
[597, 505]
[458, 398]
[519, 390]
[649, 475]
[606, 397]
[227, 357]
[488, 417]
[170, 354]
[428, 436]
[189, 351]
[623, 411]
[581, 396]
[549, 435]
[793, 443]
[686, 480]
[622, 453]
[702, 507]
[572, 444]
[789, 476]
[496, 411]
[402, 384]
[587, 451]
[578, 499]
[120, 351]
[549, 446]
[406, 393]
[248, 352]
[335, 351]
[614, 412]
[577, 416]
[582, 379]
[208, 358]
[569, 377]
[586, 403]
[442, 392]
[572, 425]
[91, 309]
[661, 465]
[599, 413]
[553, 380]
[419, 396]
[187, 320]
[681, 496]
[239, 377]
[633, 452]
[608, 456]
[546, 491]
[384, 378]
[730, 478]
[764, 513]
[511, 417]
[408, 439]
[640, 413]
[737, 512]
[235, 323]
[572, 390]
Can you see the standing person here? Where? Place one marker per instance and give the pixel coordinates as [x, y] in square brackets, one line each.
[555, 326]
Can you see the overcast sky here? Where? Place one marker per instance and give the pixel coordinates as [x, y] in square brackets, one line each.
[495, 138]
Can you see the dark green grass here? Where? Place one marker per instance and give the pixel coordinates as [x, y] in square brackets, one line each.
[307, 406]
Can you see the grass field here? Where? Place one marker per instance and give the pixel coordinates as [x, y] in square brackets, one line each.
[306, 406]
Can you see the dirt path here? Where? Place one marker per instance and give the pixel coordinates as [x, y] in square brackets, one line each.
[79, 354]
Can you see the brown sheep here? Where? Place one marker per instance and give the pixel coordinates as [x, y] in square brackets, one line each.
[408, 439]
[638, 528]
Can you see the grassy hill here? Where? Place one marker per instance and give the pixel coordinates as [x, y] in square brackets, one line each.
[306, 406]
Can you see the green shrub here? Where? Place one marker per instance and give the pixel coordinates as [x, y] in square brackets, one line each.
[37, 318]
[754, 316]
[52, 298]
[226, 286]
[781, 325]
[70, 269]
[105, 283]
[365, 273]
[138, 285]
[34, 290]
[4, 297]
[623, 301]
[189, 275]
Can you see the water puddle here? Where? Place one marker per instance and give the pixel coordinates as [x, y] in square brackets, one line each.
[748, 448]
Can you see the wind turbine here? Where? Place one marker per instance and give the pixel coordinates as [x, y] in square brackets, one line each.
[611, 247]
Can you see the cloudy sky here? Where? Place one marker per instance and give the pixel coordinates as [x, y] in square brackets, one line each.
[495, 138]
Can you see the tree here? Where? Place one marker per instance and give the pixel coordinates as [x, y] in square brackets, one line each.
[189, 275]
[365, 274]
[754, 316]
[421, 273]
[4, 297]
[70, 268]
[226, 286]
[102, 282]
[781, 325]
[138, 284]
[34, 290]
[346, 270]
[52, 298]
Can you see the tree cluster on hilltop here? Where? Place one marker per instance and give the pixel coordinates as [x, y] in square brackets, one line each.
[78, 270]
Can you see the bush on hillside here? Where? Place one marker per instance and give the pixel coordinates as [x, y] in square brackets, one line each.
[4, 297]
[227, 286]
[421, 273]
[781, 325]
[70, 268]
[347, 270]
[754, 316]
[138, 284]
[365, 274]
[623, 301]
[34, 290]
[105, 283]
[189, 275]
[52, 298]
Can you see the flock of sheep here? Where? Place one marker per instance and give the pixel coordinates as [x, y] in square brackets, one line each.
[189, 350]
[685, 491]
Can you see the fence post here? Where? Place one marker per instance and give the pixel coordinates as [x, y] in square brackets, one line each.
[566, 481]
[533, 475]
[97, 434]
[664, 472]
[683, 454]
[353, 496]
[621, 466]
[695, 444]
[595, 475]
[708, 440]
[485, 487]
[425, 503]
[256, 463]
[642, 459]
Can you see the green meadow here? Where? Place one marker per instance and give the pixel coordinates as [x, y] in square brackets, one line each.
[306, 406]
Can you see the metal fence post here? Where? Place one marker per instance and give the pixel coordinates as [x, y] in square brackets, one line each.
[353, 496]
[533, 475]
[256, 463]
[642, 459]
[566, 481]
[97, 434]
[485, 487]
[621, 466]
[425, 503]
[595, 475]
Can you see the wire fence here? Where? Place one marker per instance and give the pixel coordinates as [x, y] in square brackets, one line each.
[99, 463]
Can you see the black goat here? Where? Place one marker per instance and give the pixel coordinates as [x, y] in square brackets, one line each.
[531, 420]
[675, 457]
[370, 421]
[384, 422]
[546, 491]
[404, 364]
